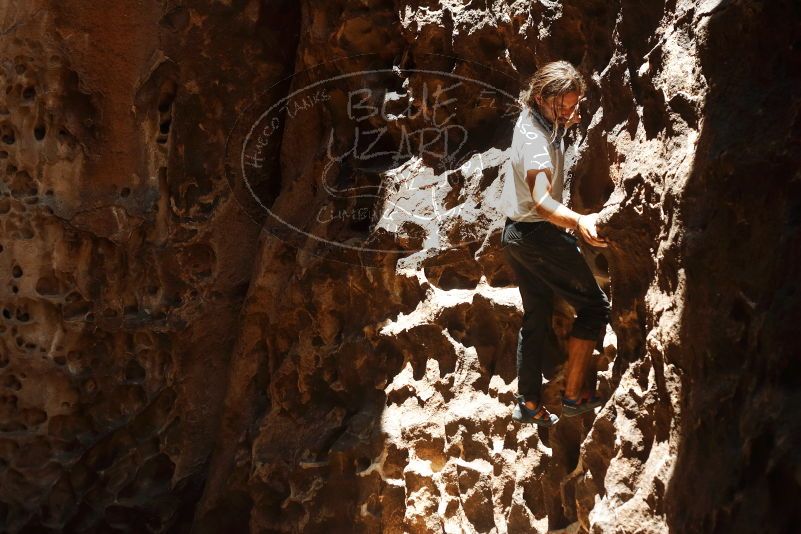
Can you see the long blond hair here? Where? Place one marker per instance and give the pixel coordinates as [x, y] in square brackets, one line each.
[553, 79]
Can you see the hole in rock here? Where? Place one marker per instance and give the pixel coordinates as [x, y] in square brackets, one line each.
[602, 263]
[39, 133]
[153, 478]
[177, 19]
[165, 105]
[134, 372]
[75, 310]
[455, 269]
[11, 382]
[488, 175]
[47, 286]
[167, 97]
[454, 278]
[682, 105]
[363, 463]
[456, 181]
[33, 417]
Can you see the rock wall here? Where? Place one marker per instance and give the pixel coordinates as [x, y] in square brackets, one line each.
[121, 287]
[229, 308]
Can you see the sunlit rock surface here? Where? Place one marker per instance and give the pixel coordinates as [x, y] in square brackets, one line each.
[216, 323]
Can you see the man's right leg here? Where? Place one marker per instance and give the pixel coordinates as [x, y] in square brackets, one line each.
[535, 341]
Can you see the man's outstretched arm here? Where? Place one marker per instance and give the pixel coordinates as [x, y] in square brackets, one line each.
[557, 213]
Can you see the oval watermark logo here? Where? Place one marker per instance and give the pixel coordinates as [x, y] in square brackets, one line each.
[360, 164]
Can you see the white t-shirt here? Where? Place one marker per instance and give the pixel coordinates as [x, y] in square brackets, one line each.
[531, 149]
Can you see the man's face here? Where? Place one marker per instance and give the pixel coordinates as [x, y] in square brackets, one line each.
[563, 109]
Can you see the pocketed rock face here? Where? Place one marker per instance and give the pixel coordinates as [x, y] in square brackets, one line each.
[121, 284]
[168, 363]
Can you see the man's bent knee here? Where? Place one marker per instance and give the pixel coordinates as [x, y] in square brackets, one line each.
[591, 320]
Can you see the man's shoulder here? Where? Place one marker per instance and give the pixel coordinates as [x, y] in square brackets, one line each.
[527, 127]
[530, 145]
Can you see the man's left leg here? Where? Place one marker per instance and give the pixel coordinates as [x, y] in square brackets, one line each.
[536, 344]
[592, 314]
[579, 354]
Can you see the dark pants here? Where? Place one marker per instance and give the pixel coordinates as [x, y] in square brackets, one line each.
[547, 260]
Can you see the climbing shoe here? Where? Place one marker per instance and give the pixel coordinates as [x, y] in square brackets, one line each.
[586, 403]
[538, 416]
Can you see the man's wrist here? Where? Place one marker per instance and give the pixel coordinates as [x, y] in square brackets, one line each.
[578, 222]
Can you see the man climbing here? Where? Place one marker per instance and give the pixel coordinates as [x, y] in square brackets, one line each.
[543, 255]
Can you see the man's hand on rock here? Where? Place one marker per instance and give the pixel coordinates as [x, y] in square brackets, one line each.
[588, 231]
